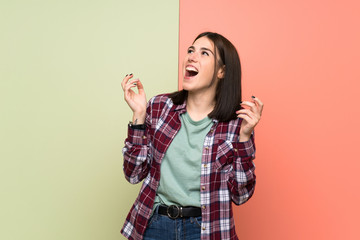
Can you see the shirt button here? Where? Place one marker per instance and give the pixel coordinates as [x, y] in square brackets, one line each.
[203, 188]
[235, 150]
[212, 130]
[205, 165]
[203, 228]
[143, 137]
[207, 148]
[203, 207]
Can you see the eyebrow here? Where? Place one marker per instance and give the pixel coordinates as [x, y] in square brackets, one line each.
[203, 48]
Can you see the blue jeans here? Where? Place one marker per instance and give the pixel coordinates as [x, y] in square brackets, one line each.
[161, 227]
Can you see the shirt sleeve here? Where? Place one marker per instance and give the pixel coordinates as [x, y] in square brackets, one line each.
[136, 151]
[242, 179]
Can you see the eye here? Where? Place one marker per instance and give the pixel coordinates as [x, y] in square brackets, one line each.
[190, 50]
[205, 53]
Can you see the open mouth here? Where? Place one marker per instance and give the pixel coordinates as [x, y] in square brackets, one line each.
[191, 71]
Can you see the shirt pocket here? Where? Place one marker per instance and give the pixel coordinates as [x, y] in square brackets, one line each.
[224, 155]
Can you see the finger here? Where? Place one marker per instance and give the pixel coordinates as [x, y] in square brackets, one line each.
[247, 103]
[252, 105]
[247, 118]
[132, 82]
[255, 118]
[127, 88]
[140, 86]
[130, 85]
[135, 82]
[246, 111]
[250, 122]
[128, 93]
[126, 79]
[257, 100]
[259, 103]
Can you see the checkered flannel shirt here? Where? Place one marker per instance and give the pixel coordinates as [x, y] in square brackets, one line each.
[227, 169]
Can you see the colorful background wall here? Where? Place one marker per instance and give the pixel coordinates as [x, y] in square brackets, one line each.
[63, 119]
[302, 59]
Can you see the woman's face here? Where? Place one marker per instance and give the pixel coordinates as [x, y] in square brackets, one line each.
[199, 67]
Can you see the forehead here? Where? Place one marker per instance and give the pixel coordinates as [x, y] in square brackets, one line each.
[203, 42]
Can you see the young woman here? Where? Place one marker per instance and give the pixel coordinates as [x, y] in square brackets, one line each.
[194, 148]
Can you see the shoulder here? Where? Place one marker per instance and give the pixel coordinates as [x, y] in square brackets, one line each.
[159, 107]
[161, 103]
[161, 100]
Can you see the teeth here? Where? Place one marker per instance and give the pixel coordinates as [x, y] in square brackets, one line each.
[189, 68]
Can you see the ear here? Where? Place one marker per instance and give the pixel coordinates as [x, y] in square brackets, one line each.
[221, 72]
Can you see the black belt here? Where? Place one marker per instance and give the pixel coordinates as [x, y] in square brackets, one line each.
[174, 211]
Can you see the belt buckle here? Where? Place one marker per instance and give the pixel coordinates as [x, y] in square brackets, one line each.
[179, 211]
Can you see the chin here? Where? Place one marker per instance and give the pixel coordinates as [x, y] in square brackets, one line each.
[186, 86]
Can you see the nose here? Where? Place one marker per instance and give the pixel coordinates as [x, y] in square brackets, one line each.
[193, 57]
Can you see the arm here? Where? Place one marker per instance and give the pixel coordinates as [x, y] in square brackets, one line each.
[136, 149]
[241, 180]
[136, 154]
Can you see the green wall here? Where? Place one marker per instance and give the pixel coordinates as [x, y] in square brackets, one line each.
[63, 117]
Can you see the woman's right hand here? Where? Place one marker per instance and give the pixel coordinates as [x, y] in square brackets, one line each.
[136, 101]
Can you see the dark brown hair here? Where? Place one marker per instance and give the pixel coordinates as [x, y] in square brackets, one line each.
[228, 89]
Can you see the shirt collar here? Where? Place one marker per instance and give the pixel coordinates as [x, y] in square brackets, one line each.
[182, 109]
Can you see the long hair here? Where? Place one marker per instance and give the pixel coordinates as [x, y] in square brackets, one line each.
[228, 89]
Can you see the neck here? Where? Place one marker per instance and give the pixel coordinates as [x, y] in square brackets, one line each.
[199, 106]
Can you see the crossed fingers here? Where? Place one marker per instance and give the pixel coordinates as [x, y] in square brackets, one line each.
[252, 114]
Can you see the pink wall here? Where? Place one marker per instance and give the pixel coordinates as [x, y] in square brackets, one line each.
[302, 59]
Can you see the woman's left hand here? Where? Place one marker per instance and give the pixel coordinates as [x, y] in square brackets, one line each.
[251, 117]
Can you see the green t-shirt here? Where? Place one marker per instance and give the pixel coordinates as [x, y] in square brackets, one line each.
[181, 165]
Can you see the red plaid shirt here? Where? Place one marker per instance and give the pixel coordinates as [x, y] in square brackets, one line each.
[227, 169]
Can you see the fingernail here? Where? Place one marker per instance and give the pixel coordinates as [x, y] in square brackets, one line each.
[252, 96]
